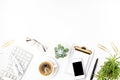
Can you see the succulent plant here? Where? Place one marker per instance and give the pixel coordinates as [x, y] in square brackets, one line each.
[60, 51]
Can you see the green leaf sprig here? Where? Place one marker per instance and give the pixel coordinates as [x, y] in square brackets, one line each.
[110, 70]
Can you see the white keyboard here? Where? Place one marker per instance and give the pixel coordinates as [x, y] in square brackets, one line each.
[19, 62]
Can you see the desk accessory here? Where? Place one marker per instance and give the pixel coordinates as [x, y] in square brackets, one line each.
[83, 49]
[103, 48]
[92, 75]
[7, 44]
[87, 59]
[78, 68]
[88, 56]
[107, 50]
[115, 48]
[35, 42]
[18, 64]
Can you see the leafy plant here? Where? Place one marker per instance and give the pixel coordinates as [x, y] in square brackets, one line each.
[110, 70]
[60, 51]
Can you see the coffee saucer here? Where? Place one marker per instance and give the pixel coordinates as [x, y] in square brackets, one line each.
[53, 61]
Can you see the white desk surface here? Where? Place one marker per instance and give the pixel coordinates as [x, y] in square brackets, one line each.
[33, 69]
[85, 22]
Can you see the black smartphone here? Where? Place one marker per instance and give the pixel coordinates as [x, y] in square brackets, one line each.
[78, 68]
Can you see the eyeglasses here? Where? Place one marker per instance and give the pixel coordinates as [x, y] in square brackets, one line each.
[35, 42]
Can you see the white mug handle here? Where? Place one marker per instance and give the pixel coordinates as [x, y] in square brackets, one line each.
[54, 65]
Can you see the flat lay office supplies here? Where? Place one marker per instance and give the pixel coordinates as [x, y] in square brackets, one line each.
[35, 42]
[93, 72]
[18, 64]
[115, 48]
[78, 70]
[87, 59]
[103, 48]
[83, 49]
[107, 50]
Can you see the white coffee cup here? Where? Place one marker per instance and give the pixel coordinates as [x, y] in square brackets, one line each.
[47, 68]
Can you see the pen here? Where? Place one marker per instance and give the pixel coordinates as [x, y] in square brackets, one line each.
[17, 65]
[92, 75]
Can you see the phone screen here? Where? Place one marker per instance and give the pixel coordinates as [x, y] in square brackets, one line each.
[78, 68]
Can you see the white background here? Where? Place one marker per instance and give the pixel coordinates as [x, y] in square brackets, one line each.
[70, 21]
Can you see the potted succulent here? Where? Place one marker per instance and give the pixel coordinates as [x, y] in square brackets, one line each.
[60, 51]
[110, 70]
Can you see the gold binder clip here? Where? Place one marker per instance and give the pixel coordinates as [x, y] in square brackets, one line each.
[83, 49]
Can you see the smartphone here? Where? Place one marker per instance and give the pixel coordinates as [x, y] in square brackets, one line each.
[78, 71]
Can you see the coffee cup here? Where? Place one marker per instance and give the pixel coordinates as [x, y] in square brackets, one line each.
[47, 68]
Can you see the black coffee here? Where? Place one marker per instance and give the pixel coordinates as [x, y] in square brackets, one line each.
[46, 68]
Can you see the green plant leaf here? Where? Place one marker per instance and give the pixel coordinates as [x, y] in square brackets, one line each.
[110, 69]
[66, 50]
[56, 49]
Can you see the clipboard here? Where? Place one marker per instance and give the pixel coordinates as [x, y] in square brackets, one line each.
[86, 58]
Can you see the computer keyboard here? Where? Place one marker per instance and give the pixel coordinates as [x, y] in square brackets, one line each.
[19, 62]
